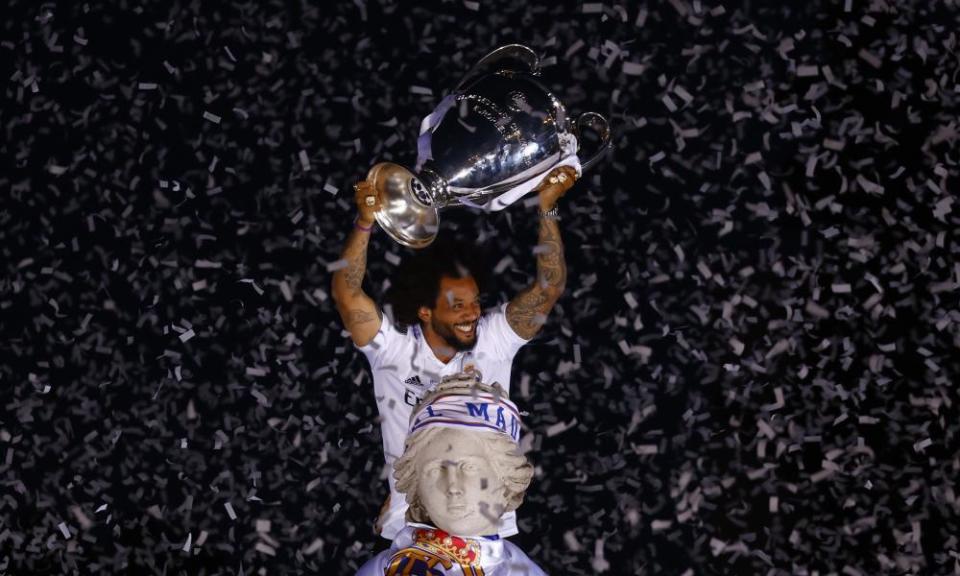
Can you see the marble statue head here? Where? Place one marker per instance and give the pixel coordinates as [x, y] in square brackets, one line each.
[461, 468]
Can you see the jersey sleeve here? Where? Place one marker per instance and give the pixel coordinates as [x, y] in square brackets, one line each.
[378, 349]
[503, 341]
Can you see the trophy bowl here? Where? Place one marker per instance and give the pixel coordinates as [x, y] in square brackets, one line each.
[484, 146]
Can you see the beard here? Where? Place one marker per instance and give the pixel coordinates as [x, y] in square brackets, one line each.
[451, 338]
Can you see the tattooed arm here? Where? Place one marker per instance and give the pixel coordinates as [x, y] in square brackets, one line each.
[359, 313]
[527, 312]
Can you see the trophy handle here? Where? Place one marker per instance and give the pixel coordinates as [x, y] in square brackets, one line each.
[598, 124]
[508, 57]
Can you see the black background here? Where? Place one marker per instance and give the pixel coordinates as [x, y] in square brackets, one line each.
[130, 215]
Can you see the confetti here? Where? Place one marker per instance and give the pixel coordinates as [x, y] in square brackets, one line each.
[758, 329]
[64, 530]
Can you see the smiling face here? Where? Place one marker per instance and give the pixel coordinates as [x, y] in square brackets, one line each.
[454, 316]
[458, 486]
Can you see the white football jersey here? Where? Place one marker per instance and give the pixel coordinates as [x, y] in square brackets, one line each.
[405, 368]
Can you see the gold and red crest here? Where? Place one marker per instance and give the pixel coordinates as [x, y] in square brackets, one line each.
[433, 552]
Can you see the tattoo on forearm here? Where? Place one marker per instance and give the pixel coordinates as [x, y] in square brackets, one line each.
[355, 254]
[356, 269]
[551, 264]
[528, 311]
[358, 312]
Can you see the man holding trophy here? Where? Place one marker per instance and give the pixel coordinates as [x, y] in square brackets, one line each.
[452, 334]
[499, 136]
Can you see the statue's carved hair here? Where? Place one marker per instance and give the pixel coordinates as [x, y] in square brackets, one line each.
[510, 465]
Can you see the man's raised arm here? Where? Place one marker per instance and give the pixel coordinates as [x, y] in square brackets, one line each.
[527, 312]
[359, 312]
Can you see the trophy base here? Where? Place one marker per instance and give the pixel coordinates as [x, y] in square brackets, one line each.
[404, 212]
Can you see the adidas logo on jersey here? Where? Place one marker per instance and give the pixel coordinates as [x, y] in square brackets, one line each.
[415, 380]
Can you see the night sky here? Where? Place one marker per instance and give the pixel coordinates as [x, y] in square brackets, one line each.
[753, 369]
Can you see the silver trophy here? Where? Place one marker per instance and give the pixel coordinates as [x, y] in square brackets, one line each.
[498, 132]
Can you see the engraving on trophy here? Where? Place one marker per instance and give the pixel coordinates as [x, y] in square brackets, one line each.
[517, 102]
[502, 121]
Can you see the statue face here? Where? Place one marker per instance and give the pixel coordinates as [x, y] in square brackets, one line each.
[457, 484]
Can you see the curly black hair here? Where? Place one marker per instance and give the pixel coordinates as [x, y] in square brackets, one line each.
[417, 280]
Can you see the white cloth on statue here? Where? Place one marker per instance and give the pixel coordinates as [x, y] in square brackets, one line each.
[410, 553]
[405, 368]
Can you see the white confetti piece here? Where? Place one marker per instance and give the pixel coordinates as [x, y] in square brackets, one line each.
[633, 68]
[257, 371]
[668, 102]
[641, 17]
[765, 180]
[737, 346]
[560, 427]
[816, 310]
[660, 525]
[683, 94]
[82, 519]
[211, 117]
[835, 145]
[337, 265]
[207, 264]
[598, 562]
[942, 208]
[574, 48]
[868, 186]
[869, 58]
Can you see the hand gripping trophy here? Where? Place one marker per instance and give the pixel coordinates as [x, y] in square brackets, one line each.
[461, 469]
[484, 146]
